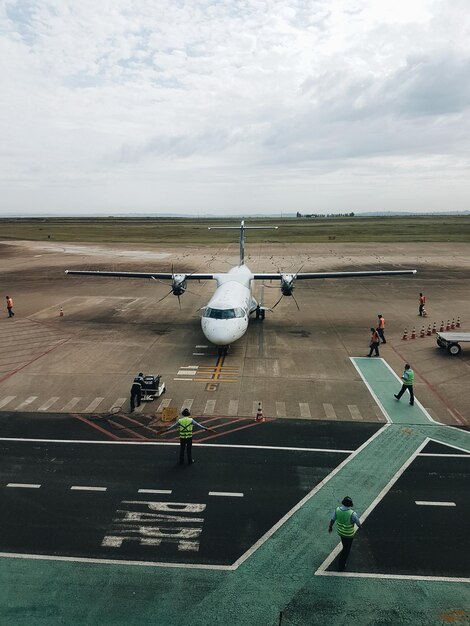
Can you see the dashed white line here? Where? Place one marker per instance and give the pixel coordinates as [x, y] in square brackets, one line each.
[48, 404]
[6, 401]
[24, 485]
[210, 407]
[163, 404]
[430, 503]
[187, 404]
[304, 409]
[330, 412]
[233, 407]
[186, 372]
[165, 491]
[69, 406]
[230, 494]
[26, 403]
[93, 405]
[84, 488]
[355, 413]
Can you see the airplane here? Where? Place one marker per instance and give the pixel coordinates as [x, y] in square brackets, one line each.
[225, 317]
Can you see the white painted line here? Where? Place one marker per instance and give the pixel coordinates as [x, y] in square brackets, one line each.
[429, 503]
[24, 485]
[168, 443]
[119, 402]
[330, 558]
[233, 407]
[191, 380]
[233, 494]
[166, 491]
[163, 404]
[93, 405]
[446, 579]
[69, 406]
[355, 413]
[281, 409]
[199, 354]
[73, 559]
[48, 404]
[187, 373]
[6, 401]
[371, 391]
[83, 488]
[187, 404]
[449, 445]
[450, 456]
[210, 407]
[26, 403]
[202, 346]
[189, 367]
[304, 409]
[330, 412]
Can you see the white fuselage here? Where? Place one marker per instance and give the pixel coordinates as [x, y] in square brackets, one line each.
[225, 318]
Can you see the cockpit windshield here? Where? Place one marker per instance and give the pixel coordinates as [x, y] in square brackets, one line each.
[223, 314]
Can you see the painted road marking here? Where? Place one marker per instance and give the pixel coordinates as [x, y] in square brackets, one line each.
[84, 488]
[330, 412]
[450, 456]
[199, 354]
[233, 407]
[355, 413]
[48, 404]
[163, 404]
[233, 494]
[210, 407]
[201, 346]
[281, 409]
[186, 373]
[165, 491]
[93, 405]
[69, 406]
[24, 485]
[304, 410]
[189, 367]
[429, 503]
[187, 404]
[119, 402]
[140, 408]
[26, 403]
[6, 401]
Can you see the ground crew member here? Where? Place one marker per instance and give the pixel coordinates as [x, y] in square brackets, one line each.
[381, 328]
[136, 390]
[408, 380]
[10, 306]
[185, 425]
[422, 302]
[345, 519]
[374, 342]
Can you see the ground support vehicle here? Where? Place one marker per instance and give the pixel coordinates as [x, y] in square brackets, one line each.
[451, 341]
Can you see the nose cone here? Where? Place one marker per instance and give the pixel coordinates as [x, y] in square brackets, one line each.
[223, 332]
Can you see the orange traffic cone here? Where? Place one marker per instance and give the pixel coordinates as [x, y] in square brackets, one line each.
[453, 323]
[413, 333]
[457, 324]
[259, 413]
[441, 329]
[61, 312]
[429, 331]
[448, 325]
[434, 329]
[405, 335]
[422, 334]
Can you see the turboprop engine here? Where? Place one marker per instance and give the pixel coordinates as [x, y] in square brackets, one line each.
[287, 284]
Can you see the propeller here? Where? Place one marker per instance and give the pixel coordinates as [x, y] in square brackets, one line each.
[287, 286]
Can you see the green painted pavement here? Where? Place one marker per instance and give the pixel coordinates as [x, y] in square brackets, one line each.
[279, 576]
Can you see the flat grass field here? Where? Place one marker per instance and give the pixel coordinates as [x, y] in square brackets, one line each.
[185, 230]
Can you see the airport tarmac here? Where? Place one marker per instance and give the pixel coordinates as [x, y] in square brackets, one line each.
[102, 526]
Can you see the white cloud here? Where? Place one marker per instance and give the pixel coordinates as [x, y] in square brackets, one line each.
[250, 106]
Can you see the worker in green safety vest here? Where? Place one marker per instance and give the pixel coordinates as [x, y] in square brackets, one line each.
[408, 379]
[185, 425]
[345, 519]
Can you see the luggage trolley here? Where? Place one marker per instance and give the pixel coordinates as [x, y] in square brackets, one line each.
[152, 388]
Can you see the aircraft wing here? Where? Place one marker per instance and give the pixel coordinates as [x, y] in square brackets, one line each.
[312, 275]
[148, 275]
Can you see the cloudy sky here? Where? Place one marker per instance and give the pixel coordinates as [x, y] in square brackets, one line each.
[234, 106]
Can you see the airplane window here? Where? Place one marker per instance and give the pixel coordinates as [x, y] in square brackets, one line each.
[222, 314]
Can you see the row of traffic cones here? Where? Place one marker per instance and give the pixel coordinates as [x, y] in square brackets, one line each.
[432, 330]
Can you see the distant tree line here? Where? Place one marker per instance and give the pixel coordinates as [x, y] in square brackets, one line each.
[326, 214]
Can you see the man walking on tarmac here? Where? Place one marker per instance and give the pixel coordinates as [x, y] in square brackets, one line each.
[345, 518]
[374, 342]
[10, 307]
[136, 390]
[408, 380]
[422, 302]
[381, 328]
[185, 425]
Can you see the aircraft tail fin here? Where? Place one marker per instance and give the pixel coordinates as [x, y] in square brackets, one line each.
[242, 229]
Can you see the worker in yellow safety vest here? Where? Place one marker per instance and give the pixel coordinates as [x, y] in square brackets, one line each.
[185, 425]
[408, 379]
[345, 519]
